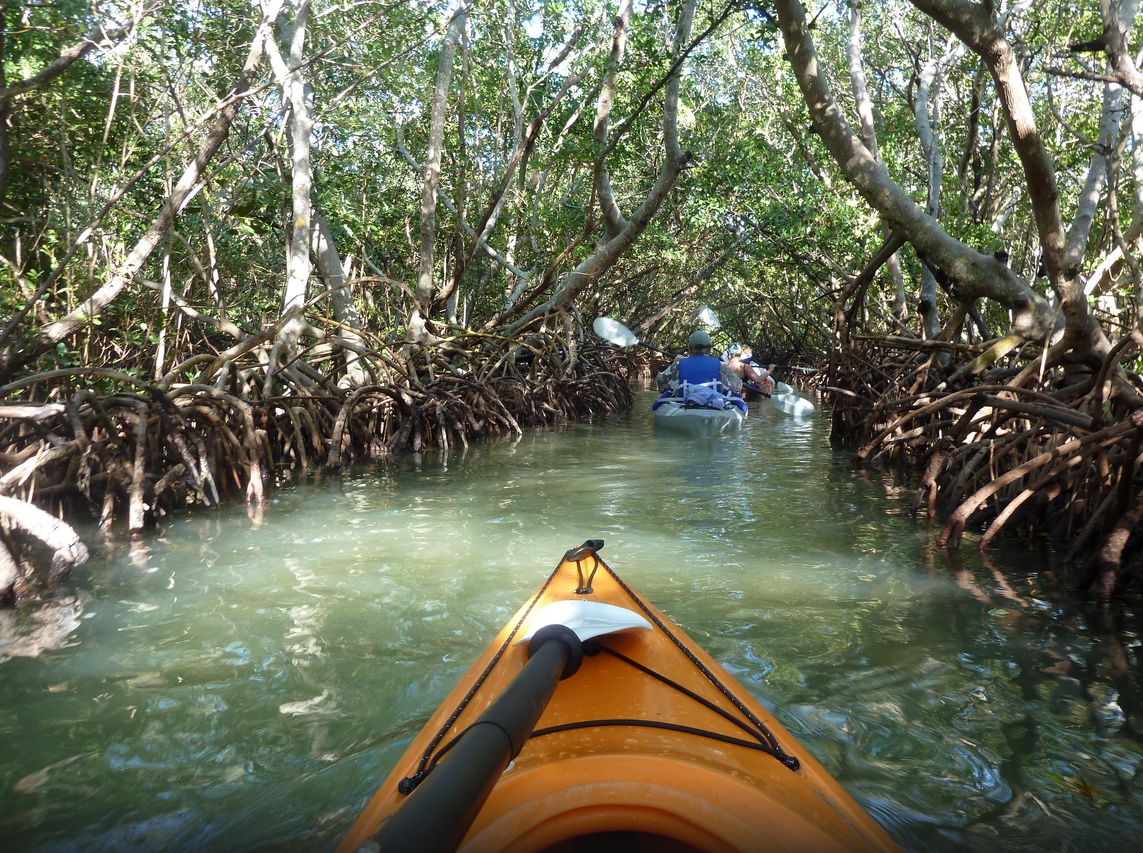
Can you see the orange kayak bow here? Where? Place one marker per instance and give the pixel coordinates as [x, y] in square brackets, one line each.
[592, 719]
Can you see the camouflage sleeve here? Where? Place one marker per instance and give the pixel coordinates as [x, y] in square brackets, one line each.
[729, 378]
[668, 378]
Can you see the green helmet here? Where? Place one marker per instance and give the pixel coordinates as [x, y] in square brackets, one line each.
[699, 339]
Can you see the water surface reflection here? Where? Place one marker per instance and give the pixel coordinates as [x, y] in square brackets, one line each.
[241, 686]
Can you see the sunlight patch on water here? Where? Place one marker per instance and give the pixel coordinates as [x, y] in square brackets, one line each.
[247, 686]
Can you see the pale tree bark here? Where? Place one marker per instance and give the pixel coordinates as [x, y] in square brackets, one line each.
[969, 157]
[972, 273]
[1130, 245]
[926, 116]
[1115, 41]
[537, 183]
[184, 190]
[5, 158]
[345, 313]
[165, 295]
[496, 204]
[67, 548]
[533, 185]
[674, 160]
[417, 330]
[502, 259]
[988, 199]
[522, 147]
[1110, 266]
[1097, 176]
[300, 126]
[1098, 172]
[869, 137]
[449, 291]
[612, 216]
[979, 30]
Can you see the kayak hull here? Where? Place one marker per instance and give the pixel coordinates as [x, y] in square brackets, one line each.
[676, 417]
[619, 751]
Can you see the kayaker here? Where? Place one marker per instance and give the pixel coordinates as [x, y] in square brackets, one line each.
[698, 368]
[740, 360]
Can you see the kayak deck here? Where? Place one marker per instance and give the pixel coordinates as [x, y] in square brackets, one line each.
[675, 415]
[650, 743]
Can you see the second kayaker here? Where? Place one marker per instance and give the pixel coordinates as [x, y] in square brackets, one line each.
[698, 368]
[740, 360]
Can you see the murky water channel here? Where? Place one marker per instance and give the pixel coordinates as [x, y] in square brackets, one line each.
[240, 687]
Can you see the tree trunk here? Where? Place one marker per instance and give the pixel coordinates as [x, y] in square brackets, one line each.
[1115, 42]
[612, 217]
[869, 137]
[5, 109]
[1097, 175]
[416, 327]
[300, 126]
[974, 274]
[926, 115]
[345, 313]
[975, 26]
[674, 160]
[11, 358]
[969, 157]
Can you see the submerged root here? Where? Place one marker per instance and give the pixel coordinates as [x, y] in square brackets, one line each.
[1026, 455]
[138, 456]
[22, 520]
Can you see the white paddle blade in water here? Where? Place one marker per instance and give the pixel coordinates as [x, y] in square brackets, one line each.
[587, 618]
[786, 400]
[614, 332]
[791, 404]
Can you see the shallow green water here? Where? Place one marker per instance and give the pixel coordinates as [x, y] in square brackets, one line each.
[241, 686]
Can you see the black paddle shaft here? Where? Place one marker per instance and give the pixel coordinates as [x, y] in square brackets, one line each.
[440, 810]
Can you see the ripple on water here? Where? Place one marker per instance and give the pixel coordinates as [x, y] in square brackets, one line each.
[246, 687]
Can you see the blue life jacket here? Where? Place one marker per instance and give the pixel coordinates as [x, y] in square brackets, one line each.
[697, 369]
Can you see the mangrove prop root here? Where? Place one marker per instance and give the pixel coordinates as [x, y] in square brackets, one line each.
[66, 548]
[135, 457]
[1007, 450]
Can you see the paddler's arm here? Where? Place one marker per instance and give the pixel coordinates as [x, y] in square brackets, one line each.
[668, 378]
[760, 376]
[729, 378]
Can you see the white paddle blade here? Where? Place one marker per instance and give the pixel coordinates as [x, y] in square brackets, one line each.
[799, 407]
[587, 618]
[614, 332]
[783, 388]
[706, 315]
